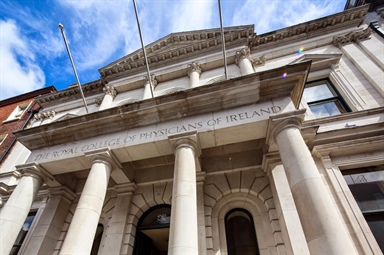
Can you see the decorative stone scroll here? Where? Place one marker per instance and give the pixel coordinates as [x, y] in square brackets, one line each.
[153, 80]
[110, 90]
[352, 37]
[258, 61]
[244, 53]
[40, 116]
[194, 67]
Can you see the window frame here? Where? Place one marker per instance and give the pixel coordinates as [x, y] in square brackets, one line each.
[337, 99]
[18, 112]
[252, 226]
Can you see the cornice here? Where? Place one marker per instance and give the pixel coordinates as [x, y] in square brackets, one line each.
[160, 52]
[70, 94]
[343, 20]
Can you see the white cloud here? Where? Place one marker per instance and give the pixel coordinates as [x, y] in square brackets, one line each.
[98, 30]
[18, 72]
[269, 15]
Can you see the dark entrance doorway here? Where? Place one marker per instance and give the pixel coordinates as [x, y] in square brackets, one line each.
[153, 231]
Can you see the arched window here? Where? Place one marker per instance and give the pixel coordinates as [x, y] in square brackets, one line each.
[153, 231]
[240, 232]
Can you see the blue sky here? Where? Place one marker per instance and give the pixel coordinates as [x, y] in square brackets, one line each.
[33, 55]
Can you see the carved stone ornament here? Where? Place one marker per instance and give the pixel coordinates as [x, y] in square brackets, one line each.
[241, 54]
[40, 116]
[110, 90]
[258, 61]
[153, 80]
[98, 100]
[351, 37]
[194, 67]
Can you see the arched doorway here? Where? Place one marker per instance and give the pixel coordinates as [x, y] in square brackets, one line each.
[240, 233]
[153, 231]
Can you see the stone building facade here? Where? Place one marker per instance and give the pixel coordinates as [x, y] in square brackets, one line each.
[284, 157]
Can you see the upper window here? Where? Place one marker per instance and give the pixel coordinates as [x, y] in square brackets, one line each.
[18, 112]
[240, 232]
[323, 99]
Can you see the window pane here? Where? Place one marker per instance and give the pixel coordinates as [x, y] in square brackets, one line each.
[316, 93]
[324, 110]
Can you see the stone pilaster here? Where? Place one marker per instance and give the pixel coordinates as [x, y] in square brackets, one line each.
[110, 94]
[322, 225]
[194, 71]
[118, 222]
[148, 90]
[202, 238]
[84, 223]
[183, 236]
[244, 61]
[16, 210]
[48, 228]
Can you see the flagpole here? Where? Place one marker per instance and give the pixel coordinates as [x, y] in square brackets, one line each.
[73, 65]
[223, 42]
[142, 45]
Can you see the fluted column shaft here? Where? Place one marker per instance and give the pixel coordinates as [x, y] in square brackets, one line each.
[110, 94]
[81, 232]
[183, 228]
[16, 210]
[322, 225]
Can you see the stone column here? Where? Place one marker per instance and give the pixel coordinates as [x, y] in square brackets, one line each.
[194, 71]
[48, 228]
[147, 87]
[183, 228]
[16, 210]
[323, 227]
[244, 61]
[110, 94]
[81, 232]
[118, 222]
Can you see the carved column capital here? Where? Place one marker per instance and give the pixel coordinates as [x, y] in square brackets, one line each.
[110, 90]
[258, 61]
[194, 67]
[153, 80]
[244, 53]
[352, 37]
[104, 156]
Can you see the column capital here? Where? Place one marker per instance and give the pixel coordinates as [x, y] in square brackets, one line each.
[110, 90]
[270, 160]
[258, 61]
[244, 53]
[200, 177]
[279, 122]
[194, 67]
[35, 170]
[153, 80]
[351, 37]
[104, 156]
[187, 139]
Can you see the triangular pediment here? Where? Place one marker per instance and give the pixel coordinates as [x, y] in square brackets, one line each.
[66, 116]
[178, 45]
[319, 61]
